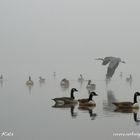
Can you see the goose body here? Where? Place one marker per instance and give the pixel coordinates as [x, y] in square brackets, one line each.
[29, 82]
[128, 105]
[67, 100]
[88, 101]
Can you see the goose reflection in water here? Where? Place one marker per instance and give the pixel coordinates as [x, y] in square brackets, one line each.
[128, 111]
[67, 106]
[89, 110]
[136, 119]
[1, 82]
[29, 88]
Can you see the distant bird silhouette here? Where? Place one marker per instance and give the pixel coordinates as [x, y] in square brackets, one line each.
[64, 83]
[90, 111]
[1, 77]
[113, 64]
[67, 106]
[54, 74]
[81, 79]
[90, 86]
[129, 79]
[29, 82]
[121, 75]
[41, 80]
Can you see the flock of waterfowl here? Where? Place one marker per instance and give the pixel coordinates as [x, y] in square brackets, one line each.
[87, 102]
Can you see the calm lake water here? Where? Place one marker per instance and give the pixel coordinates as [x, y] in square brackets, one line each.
[29, 114]
[40, 37]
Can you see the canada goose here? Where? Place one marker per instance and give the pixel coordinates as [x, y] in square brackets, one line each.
[41, 79]
[64, 83]
[88, 101]
[90, 86]
[67, 100]
[29, 82]
[81, 79]
[128, 105]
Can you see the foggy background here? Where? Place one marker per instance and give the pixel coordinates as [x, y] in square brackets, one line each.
[39, 37]
[65, 36]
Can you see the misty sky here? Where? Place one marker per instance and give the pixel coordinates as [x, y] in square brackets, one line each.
[58, 32]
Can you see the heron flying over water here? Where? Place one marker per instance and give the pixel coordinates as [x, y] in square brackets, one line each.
[113, 64]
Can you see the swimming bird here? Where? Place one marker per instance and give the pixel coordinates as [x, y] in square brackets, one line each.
[29, 82]
[128, 105]
[64, 83]
[81, 79]
[88, 101]
[67, 100]
[41, 79]
[90, 86]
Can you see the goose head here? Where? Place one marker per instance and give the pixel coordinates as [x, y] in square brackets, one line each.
[74, 90]
[93, 94]
[137, 93]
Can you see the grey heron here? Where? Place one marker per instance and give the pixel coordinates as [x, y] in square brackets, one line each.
[113, 64]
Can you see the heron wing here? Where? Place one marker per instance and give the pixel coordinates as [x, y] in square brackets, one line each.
[106, 60]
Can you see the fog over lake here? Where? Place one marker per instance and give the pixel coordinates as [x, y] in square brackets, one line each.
[38, 38]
